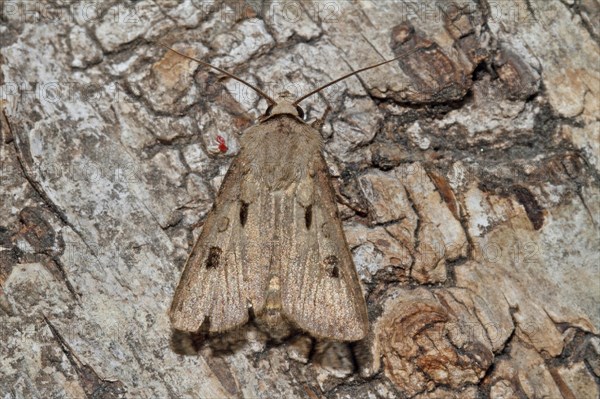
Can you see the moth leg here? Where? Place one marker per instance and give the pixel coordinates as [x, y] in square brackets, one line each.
[192, 343]
[338, 358]
[335, 357]
[300, 347]
[185, 343]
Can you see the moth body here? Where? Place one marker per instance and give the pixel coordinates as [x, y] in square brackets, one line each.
[272, 247]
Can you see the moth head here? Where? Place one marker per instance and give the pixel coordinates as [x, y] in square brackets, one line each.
[284, 105]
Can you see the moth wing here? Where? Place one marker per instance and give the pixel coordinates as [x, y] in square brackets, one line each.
[227, 271]
[320, 289]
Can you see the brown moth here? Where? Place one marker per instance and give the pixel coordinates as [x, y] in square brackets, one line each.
[272, 248]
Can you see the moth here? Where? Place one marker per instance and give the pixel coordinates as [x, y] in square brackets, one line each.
[272, 248]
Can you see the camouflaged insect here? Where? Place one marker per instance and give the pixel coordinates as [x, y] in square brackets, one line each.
[272, 248]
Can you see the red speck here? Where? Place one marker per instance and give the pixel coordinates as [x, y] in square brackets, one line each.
[222, 146]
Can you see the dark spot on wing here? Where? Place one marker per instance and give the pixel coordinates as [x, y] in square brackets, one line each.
[243, 213]
[214, 257]
[331, 265]
[308, 217]
[335, 272]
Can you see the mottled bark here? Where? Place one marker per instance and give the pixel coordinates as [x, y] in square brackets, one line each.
[467, 174]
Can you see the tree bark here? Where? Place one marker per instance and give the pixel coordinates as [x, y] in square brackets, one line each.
[467, 175]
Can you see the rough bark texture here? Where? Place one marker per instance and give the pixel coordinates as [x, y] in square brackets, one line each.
[467, 174]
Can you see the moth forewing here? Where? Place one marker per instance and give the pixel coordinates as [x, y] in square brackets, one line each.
[320, 289]
[215, 286]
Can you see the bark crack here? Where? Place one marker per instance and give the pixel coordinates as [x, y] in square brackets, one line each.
[93, 385]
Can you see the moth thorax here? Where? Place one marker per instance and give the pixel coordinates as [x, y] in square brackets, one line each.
[284, 106]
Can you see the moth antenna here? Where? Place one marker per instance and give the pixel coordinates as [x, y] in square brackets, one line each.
[232, 76]
[347, 76]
